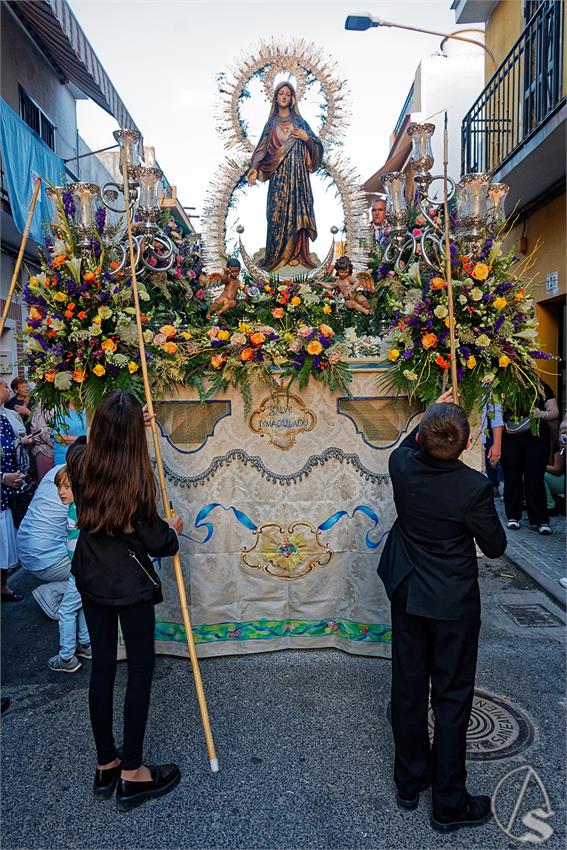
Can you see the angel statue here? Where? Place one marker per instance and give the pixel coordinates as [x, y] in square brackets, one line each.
[288, 151]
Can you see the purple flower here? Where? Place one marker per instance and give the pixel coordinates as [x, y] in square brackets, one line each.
[486, 297]
[464, 351]
[112, 369]
[407, 354]
[68, 204]
[217, 343]
[100, 219]
[316, 360]
[325, 342]
[453, 251]
[460, 373]
[540, 355]
[498, 323]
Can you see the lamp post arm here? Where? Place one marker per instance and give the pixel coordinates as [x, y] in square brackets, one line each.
[382, 23]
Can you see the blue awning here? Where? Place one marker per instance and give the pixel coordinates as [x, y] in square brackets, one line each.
[25, 156]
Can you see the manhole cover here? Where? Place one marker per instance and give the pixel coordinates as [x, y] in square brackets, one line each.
[498, 729]
[535, 616]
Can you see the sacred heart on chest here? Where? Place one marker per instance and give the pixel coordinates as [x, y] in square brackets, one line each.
[287, 553]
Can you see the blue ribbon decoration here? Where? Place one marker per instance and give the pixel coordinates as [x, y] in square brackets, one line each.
[364, 509]
[200, 521]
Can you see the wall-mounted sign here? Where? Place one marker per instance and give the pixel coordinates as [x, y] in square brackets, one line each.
[552, 283]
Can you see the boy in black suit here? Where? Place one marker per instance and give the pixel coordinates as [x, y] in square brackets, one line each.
[430, 572]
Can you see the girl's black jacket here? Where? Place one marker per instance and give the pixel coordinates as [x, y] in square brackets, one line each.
[103, 566]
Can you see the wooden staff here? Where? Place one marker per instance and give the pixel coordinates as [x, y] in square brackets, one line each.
[163, 487]
[449, 270]
[20, 256]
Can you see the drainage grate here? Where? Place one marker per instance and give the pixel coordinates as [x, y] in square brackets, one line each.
[534, 616]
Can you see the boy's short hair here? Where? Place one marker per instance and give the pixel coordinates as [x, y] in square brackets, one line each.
[16, 383]
[444, 431]
[61, 477]
[233, 263]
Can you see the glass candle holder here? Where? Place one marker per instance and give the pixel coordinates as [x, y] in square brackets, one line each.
[497, 193]
[85, 197]
[394, 184]
[421, 154]
[129, 141]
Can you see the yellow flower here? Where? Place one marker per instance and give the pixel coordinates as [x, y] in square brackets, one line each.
[104, 312]
[327, 309]
[441, 311]
[483, 341]
[222, 335]
[108, 345]
[244, 328]
[481, 271]
[499, 303]
[314, 347]
[504, 360]
[447, 322]
[476, 294]
[60, 296]
[288, 336]
[471, 362]
[97, 320]
[185, 335]
[99, 370]
[393, 354]
[295, 301]
[132, 367]
[168, 330]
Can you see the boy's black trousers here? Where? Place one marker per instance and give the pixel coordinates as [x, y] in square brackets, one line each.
[443, 653]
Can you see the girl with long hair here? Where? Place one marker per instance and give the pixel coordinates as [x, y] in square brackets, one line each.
[115, 494]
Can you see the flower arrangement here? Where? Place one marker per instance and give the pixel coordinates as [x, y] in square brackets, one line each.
[495, 328]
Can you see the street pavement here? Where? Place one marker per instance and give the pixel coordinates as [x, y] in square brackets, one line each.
[303, 741]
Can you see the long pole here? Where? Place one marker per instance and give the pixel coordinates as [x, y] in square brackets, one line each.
[453, 36]
[20, 256]
[163, 487]
[449, 268]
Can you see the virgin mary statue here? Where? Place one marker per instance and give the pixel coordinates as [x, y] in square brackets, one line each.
[288, 151]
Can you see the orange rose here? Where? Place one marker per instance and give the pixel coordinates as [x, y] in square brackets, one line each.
[246, 354]
[81, 315]
[217, 360]
[35, 314]
[50, 376]
[71, 306]
[257, 338]
[442, 362]
[278, 313]
[438, 283]
[89, 277]
[314, 347]
[114, 265]
[58, 261]
[108, 345]
[170, 347]
[79, 375]
[68, 314]
[326, 331]
[429, 341]
[168, 330]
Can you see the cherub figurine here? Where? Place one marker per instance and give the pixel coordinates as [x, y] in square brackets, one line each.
[349, 286]
[227, 299]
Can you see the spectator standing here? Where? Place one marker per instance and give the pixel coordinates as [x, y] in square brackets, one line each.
[42, 449]
[525, 457]
[74, 637]
[114, 487]
[20, 401]
[555, 471]
[10, 478]
[492, 426]
[378, 222]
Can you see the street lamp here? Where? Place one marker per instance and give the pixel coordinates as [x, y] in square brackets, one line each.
[365, 21]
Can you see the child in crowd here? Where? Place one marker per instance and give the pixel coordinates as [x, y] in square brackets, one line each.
[430, 572]
[74, 637]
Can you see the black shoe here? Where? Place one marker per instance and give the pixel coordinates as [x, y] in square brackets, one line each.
[105, 782]
[477, 811]
[410, 805]
[164, 779]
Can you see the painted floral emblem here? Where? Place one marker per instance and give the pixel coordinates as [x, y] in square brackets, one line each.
[287, 553]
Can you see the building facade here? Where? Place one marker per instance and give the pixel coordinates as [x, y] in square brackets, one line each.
[515, 129]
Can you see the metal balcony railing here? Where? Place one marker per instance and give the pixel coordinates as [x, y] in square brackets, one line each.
[524, 92]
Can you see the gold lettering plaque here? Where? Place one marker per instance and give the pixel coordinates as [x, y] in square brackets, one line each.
[281, 417]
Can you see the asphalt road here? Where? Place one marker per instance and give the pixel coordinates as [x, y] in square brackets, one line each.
[303, 741]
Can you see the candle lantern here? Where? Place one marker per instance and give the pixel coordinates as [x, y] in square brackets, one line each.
[497, 193]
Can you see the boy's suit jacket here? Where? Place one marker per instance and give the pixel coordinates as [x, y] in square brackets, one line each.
[443, 507]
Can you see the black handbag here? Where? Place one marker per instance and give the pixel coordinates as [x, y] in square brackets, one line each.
[19, 499]
[151, 575]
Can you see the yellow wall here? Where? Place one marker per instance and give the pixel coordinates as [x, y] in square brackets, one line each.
[503, 29]
[548, 224]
